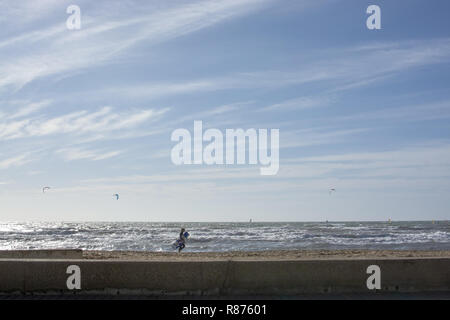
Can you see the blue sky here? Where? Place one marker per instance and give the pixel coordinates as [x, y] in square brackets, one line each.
[90, 112]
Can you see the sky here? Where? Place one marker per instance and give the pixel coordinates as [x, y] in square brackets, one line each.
[90, 112]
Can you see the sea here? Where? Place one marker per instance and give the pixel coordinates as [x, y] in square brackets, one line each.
[221, 237]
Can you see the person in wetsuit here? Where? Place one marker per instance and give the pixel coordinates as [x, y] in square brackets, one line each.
[181, 240]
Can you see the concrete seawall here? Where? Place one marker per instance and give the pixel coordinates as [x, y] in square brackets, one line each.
[224, 277]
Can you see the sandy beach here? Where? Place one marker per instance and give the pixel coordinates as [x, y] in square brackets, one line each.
[262, 255]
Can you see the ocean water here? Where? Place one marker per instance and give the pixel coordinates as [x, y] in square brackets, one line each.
[226, 236]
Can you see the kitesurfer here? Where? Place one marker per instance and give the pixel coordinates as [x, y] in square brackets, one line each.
[181, 240]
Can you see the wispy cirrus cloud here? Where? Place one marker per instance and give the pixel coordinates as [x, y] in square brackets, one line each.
[299, 103]
[70, 154]
[417, 162]
[78, 123]
[63, 52]
[28, 108]
[348, 68]
[418, 167]
[15, 161]
[21, 12]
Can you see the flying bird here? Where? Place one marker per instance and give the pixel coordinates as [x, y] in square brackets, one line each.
[45, 189]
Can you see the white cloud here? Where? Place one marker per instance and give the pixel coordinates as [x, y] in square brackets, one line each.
[346, 69]
[299, 103]
[20, 12]
[30, 108]
[78, 123]
[419, 168]
[416, 163]
[70, 154]
[16, 161]
[65, 52]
